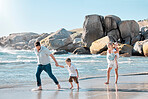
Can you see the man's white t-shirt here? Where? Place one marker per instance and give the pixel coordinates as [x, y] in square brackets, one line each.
[71, 70]
[43, 55]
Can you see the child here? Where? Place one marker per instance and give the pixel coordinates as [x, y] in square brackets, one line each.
[73, 72]
[116, 59]
[110, 60]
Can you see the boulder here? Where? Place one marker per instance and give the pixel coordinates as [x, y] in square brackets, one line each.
[81, 50]
[20, 37]
[138, 48]
[31, 42]
[99, 45]
[18, 40]
[111, 22]
[129, 31]
[77, 40]
[60, 52]
[103, 53]
[125, 55]
[114, 35]
[125, 48]
[70, 47]
[145, 49]
[92, 29]
[76, 33]
[57, 40]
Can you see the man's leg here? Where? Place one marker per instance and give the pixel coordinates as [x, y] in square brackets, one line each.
[49, 72]
[38, 78]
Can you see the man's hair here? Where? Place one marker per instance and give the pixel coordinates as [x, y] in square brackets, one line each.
[37, 43]
[68, 60]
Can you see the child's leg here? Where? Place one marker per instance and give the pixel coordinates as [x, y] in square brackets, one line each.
[108, 75]
[71, 85]
[70, 81]
[116, 71]
[76, 81]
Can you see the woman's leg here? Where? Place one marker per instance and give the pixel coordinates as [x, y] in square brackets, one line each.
[108, 75]
[116, 71]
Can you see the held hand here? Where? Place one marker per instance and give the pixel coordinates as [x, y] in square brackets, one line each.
[57, 64]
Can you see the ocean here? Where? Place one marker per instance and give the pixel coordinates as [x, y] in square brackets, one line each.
[18, 67]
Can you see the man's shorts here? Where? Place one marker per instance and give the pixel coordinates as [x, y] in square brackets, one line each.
[71, 78]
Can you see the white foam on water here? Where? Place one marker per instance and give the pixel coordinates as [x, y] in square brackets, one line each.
[7, 50]
[21, 56]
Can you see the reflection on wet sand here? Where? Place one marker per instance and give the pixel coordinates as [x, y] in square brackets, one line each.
[75, 96]
[109, 95]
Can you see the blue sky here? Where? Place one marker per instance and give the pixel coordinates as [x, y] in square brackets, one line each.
[45, 16]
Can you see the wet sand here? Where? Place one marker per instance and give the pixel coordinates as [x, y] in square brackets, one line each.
[128, 87]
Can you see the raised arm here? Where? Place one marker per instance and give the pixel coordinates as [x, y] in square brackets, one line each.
[56, 63]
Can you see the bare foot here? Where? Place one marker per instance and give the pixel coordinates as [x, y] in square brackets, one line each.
[59, 87]
[106, 83]
[37, 89]
[71, 87]
[78, 88]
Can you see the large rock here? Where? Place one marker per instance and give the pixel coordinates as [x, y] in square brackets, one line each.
[60, 52]
[129, 31]
[81, 50]
[145, 49]
[58, 40]
[31, 42]
[76, 33]
[138, 48]
[125, 48]
[111, 22]
[18, 40]
[99, 45]
[114, 35]
[92, 29]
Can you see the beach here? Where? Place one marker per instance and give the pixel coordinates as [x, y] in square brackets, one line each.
[129, 87]
[18, 68]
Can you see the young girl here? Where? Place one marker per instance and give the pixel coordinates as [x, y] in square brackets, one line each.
[111, 57]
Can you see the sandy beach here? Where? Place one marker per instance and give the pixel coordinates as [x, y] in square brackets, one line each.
[129, 87]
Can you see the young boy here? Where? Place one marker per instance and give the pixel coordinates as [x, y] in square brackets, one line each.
[73, 72]
[111, 60]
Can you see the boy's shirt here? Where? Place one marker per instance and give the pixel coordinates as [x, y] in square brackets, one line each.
[71, 70]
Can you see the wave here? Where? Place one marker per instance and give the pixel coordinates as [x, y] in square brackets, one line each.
[17, 62]
[26, 57]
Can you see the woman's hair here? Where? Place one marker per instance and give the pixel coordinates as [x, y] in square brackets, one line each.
[37, 43]
[68, 60]
[110, 43]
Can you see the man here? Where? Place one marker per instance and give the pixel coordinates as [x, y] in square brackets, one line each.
[43, 59]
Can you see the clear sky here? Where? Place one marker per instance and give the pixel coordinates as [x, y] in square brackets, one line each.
[45, 16]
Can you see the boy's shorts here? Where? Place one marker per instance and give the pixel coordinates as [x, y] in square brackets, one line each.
[71, 78]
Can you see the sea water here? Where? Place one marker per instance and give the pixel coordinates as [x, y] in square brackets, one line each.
[18, 67]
